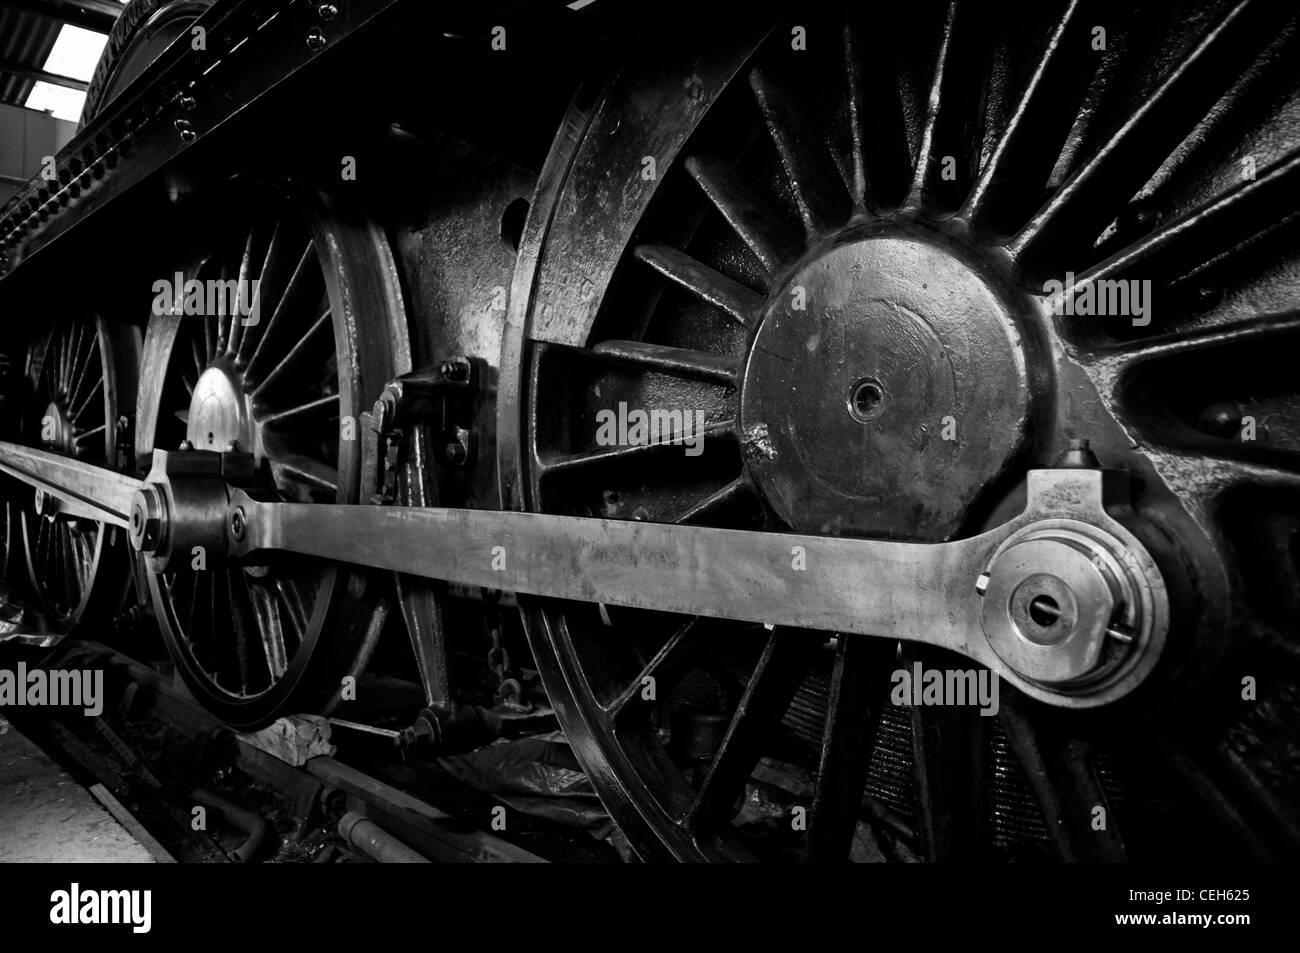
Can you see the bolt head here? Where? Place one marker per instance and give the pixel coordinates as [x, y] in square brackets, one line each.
[1222, 419]
[46, 504]
[145, 523]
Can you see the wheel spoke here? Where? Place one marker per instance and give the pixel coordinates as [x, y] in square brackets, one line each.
[71, 342]
[819, 190]
[314, 338]
[881, 166]
[200, 362]
[240, 624]
[306, 472]
[1245, 331]
[1060, 771]
[1093, 195]
[1029, 146]
[631, 453]
[1183, 246]
[52, 359]
[859, 692]
[80, 408]
[210, 334]
[946, 744]
[776, 678]
[952, 111]
[1215, 475]
[292, 598]
[327, 404]
[749, 216]
[242, 299]
[1219, 804]
[662, 673]
[89, 434]
[84, 540]
[56, 582]
[304, 283]
[91, 376]
[80, 367]
[193, 616]
[42, 540]
[719, 501]
[679, 362]
[224, 322]
[271, 630]
[224, 652]
[68, 567]
[741, 304]
[268, 275]
[1025, 745]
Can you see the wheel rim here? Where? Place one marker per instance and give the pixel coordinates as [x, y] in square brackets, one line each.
[257, 641]
[765, 184]
[83, 375]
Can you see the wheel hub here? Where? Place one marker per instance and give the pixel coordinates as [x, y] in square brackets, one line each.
[58, 430]
[220, 416]
[884, 389]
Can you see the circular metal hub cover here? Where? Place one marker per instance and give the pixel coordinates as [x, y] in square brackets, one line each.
[219, 416]
[883, 390]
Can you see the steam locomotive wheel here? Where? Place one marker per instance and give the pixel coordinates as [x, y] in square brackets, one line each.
[279, 380]
[843, 262]
[83, 377]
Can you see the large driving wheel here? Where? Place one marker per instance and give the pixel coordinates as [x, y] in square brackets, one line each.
[838, 241]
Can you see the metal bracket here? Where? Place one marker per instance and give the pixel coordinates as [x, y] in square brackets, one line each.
[434, 405]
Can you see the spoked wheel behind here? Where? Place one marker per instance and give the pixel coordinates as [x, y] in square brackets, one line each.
[278, 384]
[13, 572]
[841, 261]
[83, 379]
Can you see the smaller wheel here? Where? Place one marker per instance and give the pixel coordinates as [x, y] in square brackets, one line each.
[11, 569]
[82, 378]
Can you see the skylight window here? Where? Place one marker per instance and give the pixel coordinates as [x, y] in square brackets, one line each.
[75, 53]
